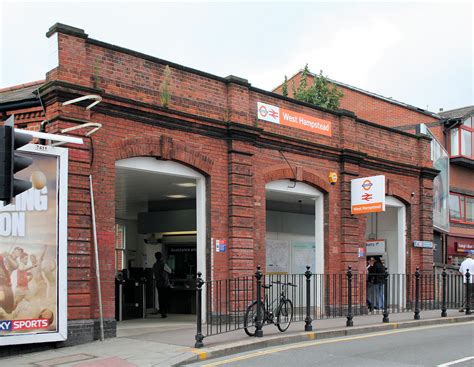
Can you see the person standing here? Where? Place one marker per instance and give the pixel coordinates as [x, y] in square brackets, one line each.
[376, 277]
[161, 272]
[468, 263]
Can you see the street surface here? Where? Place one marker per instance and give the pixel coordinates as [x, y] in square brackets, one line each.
[440, 345]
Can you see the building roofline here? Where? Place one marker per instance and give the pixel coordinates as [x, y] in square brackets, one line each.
[21, 86]
[375, 95]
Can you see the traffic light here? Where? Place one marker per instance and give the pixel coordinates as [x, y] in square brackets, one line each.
[11, 162]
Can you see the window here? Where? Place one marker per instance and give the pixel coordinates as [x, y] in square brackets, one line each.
[461, 140]
[461, 208]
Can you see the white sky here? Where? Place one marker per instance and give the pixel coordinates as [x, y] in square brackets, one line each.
[416, 52]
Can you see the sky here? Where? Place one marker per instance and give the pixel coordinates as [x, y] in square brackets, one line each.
[419, 53]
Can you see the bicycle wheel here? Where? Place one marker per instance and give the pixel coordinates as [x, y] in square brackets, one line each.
[284, 315]
[250, 318]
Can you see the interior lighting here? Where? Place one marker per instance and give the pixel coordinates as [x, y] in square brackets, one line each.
[177, 196]
[186, 184]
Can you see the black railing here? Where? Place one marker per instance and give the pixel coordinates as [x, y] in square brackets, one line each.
[323, 296]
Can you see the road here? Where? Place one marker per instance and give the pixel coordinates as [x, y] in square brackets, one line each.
[449, 345]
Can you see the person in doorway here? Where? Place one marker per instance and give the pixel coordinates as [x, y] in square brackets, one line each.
[161, 272]
[370, 284]
[376, 276]
[468, 263]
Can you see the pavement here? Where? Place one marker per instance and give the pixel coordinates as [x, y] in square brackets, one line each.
[169, 342]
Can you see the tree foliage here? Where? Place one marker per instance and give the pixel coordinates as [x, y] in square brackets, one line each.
[321, 92]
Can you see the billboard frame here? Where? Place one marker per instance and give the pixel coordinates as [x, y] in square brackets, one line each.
[61, 317]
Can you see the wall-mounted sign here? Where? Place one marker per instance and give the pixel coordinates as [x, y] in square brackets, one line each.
[221, 245]
[294, 119]
[368, 195]
[465, 247]
[33, 250]
[362, 252]
[423, 244]
[374, 247]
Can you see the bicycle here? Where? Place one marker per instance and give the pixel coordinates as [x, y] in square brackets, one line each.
[283, 311]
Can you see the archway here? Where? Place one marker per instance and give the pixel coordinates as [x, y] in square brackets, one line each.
[163, 204]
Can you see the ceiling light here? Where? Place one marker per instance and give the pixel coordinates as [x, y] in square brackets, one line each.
[186, 184]
[177, 196]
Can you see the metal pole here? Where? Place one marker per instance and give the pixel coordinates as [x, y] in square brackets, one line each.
[259, 322]
[350, 316]
[199, 337]
[97, 269]
[417, 294]
[443, 306]
[385, 300]
[308, 320]
[468, 295]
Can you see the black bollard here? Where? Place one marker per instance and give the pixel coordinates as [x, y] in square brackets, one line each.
[468, 295]
[350, 316]
[259, 321]
[417, 294]
[199, 337]
[385, 298]
[308, 320]
[443, 305]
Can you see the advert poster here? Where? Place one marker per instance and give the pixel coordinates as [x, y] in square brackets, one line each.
[32, 285]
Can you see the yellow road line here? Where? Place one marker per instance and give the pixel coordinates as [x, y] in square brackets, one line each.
[328, 341]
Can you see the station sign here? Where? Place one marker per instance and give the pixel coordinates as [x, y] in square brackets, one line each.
[423, 244]
[33, 252]
[368, 195]
[375, 247]
[293, 119]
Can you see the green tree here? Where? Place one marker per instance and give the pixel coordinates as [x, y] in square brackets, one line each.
[321, 92]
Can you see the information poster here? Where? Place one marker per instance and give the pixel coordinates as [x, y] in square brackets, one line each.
[30, 261]
[278, 255]
[302, 254]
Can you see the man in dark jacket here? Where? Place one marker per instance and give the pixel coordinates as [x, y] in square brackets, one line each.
[161, 273]
[378, 271]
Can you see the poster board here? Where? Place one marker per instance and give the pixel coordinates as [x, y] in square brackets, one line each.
[33, 252]
[278, 256]
[302, 254]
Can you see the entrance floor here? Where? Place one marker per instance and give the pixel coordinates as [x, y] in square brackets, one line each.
[155, 324]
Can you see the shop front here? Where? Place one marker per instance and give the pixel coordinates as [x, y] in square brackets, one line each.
[458, 248]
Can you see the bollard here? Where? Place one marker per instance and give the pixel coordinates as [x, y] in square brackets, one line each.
[308, 319]
[468, 295]
[443, 306]
[199, 337]
[385, 298]
[350, 316]
[417, 294]
[259, 322]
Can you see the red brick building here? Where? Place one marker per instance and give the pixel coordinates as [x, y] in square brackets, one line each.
[454, 130]
[166, 128]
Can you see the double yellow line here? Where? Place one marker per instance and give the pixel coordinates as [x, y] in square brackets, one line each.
[202, 355]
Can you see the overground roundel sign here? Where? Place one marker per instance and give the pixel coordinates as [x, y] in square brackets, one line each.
[368, 195]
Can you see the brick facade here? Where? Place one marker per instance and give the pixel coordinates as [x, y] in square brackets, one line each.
[211, 126]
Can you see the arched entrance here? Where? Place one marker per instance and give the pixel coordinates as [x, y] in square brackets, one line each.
[159, 206]
[294, 228]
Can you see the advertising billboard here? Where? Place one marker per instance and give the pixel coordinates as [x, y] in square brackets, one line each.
[33, 268]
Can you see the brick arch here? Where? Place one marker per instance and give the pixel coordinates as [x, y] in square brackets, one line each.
[166, 148]
[306, 175]
[398, 191]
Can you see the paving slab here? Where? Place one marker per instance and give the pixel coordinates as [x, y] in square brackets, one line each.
[169, 342]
